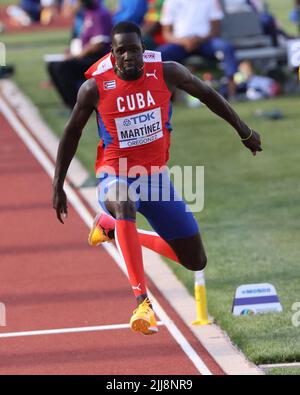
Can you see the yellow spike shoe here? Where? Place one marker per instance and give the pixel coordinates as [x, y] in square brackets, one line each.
[153, 329]
[98, 234]
[143, 319]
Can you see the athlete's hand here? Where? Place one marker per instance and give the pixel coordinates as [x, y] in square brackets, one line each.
[253, 143]
[59, 201]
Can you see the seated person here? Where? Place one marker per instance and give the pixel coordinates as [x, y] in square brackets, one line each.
[193, 27]
[50, 8]
[25, 13]
[130, 11]
[68, 75]
[74, 8]
[151, 29]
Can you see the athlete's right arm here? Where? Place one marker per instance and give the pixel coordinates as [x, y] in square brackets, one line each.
[87, 101]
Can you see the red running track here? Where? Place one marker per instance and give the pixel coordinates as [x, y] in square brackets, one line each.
[50, 278]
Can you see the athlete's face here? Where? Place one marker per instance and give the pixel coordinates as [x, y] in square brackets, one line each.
[128, 49]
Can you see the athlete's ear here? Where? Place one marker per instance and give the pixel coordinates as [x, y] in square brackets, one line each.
[112, 49]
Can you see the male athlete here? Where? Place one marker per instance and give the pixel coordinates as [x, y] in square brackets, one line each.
[130, 91]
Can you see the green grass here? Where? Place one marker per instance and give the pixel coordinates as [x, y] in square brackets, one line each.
[250, 223]
[5, 2]
[284, 372]
[282, 9]
[42, 40]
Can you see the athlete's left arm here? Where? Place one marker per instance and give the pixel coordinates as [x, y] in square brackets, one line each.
[87, 100]
[178, 76]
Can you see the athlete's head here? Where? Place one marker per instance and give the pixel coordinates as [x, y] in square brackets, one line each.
[127, 48]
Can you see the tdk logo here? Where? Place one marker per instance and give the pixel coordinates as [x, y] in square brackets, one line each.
[139, 119]
[127, 122]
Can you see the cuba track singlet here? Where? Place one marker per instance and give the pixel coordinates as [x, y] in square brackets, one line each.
[133, 117]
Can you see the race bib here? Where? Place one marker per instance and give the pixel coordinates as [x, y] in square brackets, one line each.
[139, 129]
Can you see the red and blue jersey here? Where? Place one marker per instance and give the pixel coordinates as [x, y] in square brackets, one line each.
[133, 116]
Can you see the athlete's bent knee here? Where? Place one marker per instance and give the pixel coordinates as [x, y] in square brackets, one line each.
[119, 203]
[125, 210]
[202, 262]
[197, 263]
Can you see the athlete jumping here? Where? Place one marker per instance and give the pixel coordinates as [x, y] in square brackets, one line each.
[130, 90]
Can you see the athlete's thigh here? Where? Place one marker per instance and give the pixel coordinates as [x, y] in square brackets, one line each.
[179, 229]
[112, 191]
[166, 212]
[171, 220]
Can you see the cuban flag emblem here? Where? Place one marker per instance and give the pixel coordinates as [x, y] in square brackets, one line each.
[109, 85]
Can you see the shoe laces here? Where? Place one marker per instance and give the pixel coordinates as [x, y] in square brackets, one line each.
[104, 230]
[144, 307]
[101, 228]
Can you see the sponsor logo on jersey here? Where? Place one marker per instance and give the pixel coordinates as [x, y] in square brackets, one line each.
[152, 75]
[150, 55]
[139, 129]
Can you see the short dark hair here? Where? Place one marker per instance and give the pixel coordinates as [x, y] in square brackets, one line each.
[126, 27]
[89, 4]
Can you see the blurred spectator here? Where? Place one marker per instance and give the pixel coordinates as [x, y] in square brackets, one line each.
[25, 13]
[193, 27]
[49, 9]
[131, 11]
[74, 8]
[270, 25]
[255, 87]
[68, 75]
[29, 11]
[151, 29]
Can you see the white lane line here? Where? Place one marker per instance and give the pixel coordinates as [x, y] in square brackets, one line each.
[68, 330]
[87, 218]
